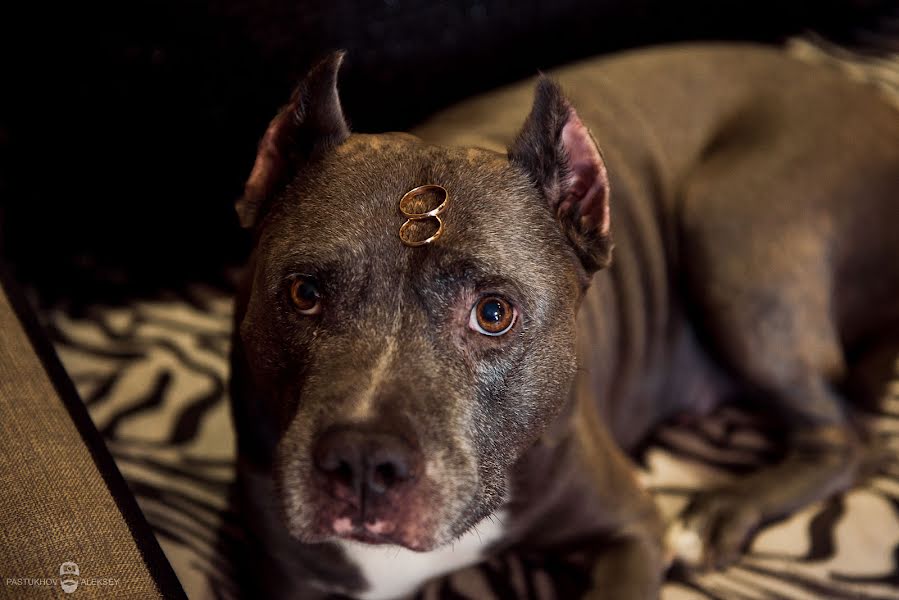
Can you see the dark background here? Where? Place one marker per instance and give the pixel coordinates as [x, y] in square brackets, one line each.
[128, 128]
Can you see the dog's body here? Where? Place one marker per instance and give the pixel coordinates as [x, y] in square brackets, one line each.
[754, 206]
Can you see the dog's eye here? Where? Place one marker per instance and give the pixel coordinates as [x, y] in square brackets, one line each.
[305, 295]
[492, 315]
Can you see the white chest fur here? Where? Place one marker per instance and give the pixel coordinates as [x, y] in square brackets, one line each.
[393, 571]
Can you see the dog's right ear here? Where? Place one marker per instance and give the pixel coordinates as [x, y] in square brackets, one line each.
[311, 123]
[558, 152]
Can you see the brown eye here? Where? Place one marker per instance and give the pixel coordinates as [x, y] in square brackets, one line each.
[305, 295]
[492, 316]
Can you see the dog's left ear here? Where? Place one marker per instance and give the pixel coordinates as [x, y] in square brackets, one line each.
[311, 123]
[558, 152]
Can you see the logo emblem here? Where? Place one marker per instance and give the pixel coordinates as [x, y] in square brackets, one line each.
[68, 571]
[413, 205]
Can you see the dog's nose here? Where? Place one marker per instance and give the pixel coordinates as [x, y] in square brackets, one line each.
[354, 459]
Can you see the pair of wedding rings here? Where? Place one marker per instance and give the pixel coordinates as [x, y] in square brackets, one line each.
[414, 217]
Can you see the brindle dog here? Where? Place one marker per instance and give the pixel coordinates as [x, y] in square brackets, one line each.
[491, 382]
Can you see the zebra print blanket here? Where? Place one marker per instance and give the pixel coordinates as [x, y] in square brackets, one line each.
[153, 376]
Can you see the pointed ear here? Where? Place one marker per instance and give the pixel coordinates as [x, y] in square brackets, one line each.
[311, 123]
[558, 152]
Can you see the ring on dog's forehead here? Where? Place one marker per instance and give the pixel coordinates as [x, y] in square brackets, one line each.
[417, 215]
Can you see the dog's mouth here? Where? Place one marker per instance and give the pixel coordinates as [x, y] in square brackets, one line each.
[381, 523]
[378, 532]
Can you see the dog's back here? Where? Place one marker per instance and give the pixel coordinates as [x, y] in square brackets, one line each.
[818, 155]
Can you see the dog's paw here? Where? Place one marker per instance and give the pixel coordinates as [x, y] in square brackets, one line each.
[683, 544]
[713, 530]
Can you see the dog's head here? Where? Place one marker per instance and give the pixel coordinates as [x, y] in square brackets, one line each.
[404, 382]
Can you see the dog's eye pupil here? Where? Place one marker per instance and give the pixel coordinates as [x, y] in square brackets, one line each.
[307, 292]
[305, 295]
[492, 311]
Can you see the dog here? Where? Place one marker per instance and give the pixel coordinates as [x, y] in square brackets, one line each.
[448, 342]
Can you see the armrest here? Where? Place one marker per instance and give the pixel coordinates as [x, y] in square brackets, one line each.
[66, 515]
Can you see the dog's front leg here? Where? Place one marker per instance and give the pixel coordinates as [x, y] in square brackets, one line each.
[718, 523]
[628, 568]
[630, 559]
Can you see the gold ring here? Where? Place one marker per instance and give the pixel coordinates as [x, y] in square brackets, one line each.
[412, 243]
[412, 217]
[415, 192]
